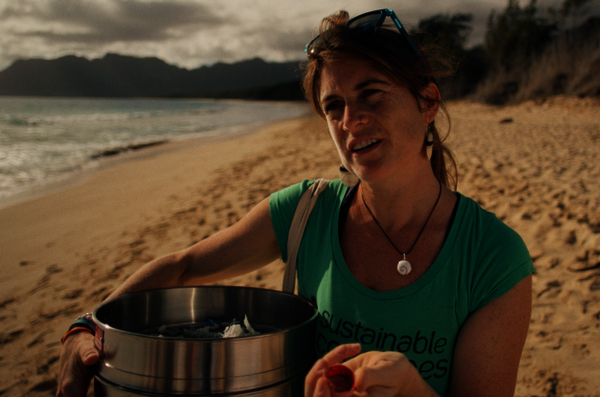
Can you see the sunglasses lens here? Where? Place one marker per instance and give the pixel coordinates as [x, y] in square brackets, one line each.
[363, 23]
[367, 23]
[312, 47]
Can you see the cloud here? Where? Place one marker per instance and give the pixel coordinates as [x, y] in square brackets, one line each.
[190, 33]
[98, 21]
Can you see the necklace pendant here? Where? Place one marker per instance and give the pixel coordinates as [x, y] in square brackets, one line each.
[404, 267]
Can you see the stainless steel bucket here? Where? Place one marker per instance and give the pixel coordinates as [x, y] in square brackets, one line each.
[270, 364]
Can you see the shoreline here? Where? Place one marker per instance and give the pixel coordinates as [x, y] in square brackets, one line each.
[64, 252]
[111, 157]
[108, 155]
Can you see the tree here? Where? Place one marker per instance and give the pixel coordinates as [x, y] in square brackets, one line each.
[573, 10]
[448, 31]
[450, 34]
[516, 35]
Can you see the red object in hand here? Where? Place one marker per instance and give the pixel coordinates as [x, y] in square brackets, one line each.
[341, 380]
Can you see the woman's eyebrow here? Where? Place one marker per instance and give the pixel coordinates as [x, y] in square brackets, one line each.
[359, 87]
[369, 82]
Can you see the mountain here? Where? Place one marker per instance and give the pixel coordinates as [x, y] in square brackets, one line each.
[126, 76]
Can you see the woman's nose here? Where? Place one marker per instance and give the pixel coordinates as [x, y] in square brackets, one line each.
[354, 117]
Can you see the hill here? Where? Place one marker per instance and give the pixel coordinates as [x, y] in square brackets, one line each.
[126, 76]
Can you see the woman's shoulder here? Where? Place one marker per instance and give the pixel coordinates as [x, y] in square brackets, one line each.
[496, 255]
[283, 205]
[489, 239]
[292, 194]
[484, 221]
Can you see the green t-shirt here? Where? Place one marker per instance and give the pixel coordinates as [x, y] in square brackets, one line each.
[481, 260]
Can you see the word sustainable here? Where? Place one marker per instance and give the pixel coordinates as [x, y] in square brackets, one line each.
[333, 332]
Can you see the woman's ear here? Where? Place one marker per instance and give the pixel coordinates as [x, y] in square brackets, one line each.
[430, 102]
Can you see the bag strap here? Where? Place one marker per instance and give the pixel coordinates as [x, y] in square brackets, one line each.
[305, 206]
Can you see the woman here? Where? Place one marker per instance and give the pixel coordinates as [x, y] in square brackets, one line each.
[431, 293]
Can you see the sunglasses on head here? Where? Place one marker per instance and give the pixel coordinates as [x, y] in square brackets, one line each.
[368, 22]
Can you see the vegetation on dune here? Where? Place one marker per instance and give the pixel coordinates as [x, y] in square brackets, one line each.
[449, 33]
[527, 53]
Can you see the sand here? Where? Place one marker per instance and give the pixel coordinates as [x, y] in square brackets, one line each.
[535, 165]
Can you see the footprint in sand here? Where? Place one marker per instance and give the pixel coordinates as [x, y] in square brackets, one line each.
[551, 290]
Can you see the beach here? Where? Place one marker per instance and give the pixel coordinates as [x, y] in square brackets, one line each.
[536, 165]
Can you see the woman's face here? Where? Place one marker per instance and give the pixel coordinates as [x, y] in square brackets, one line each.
[376, 125]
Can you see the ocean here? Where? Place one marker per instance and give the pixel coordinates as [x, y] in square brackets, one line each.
[46, 140]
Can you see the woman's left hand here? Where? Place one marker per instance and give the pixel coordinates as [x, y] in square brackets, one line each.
[316, 384]
[379, 374]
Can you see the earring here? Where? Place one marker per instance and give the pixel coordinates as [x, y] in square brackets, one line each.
[348, 178]
[429, 141]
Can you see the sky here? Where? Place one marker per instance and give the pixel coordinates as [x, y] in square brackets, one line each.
[192, 33]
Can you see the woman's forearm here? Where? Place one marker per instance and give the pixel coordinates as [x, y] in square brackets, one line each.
[239, 249]
[163, 272]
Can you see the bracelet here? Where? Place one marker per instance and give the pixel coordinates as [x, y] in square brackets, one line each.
[85, 321]
[82, 323]
[74, 330]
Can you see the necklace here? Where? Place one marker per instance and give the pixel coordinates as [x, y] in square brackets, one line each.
[403, 266]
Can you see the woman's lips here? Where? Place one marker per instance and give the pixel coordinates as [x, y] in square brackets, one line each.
[357, 147]
[363, 144]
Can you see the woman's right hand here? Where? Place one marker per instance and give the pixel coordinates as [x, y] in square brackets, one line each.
[77, 357]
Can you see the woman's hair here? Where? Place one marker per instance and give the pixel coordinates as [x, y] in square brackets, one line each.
[387, 51]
